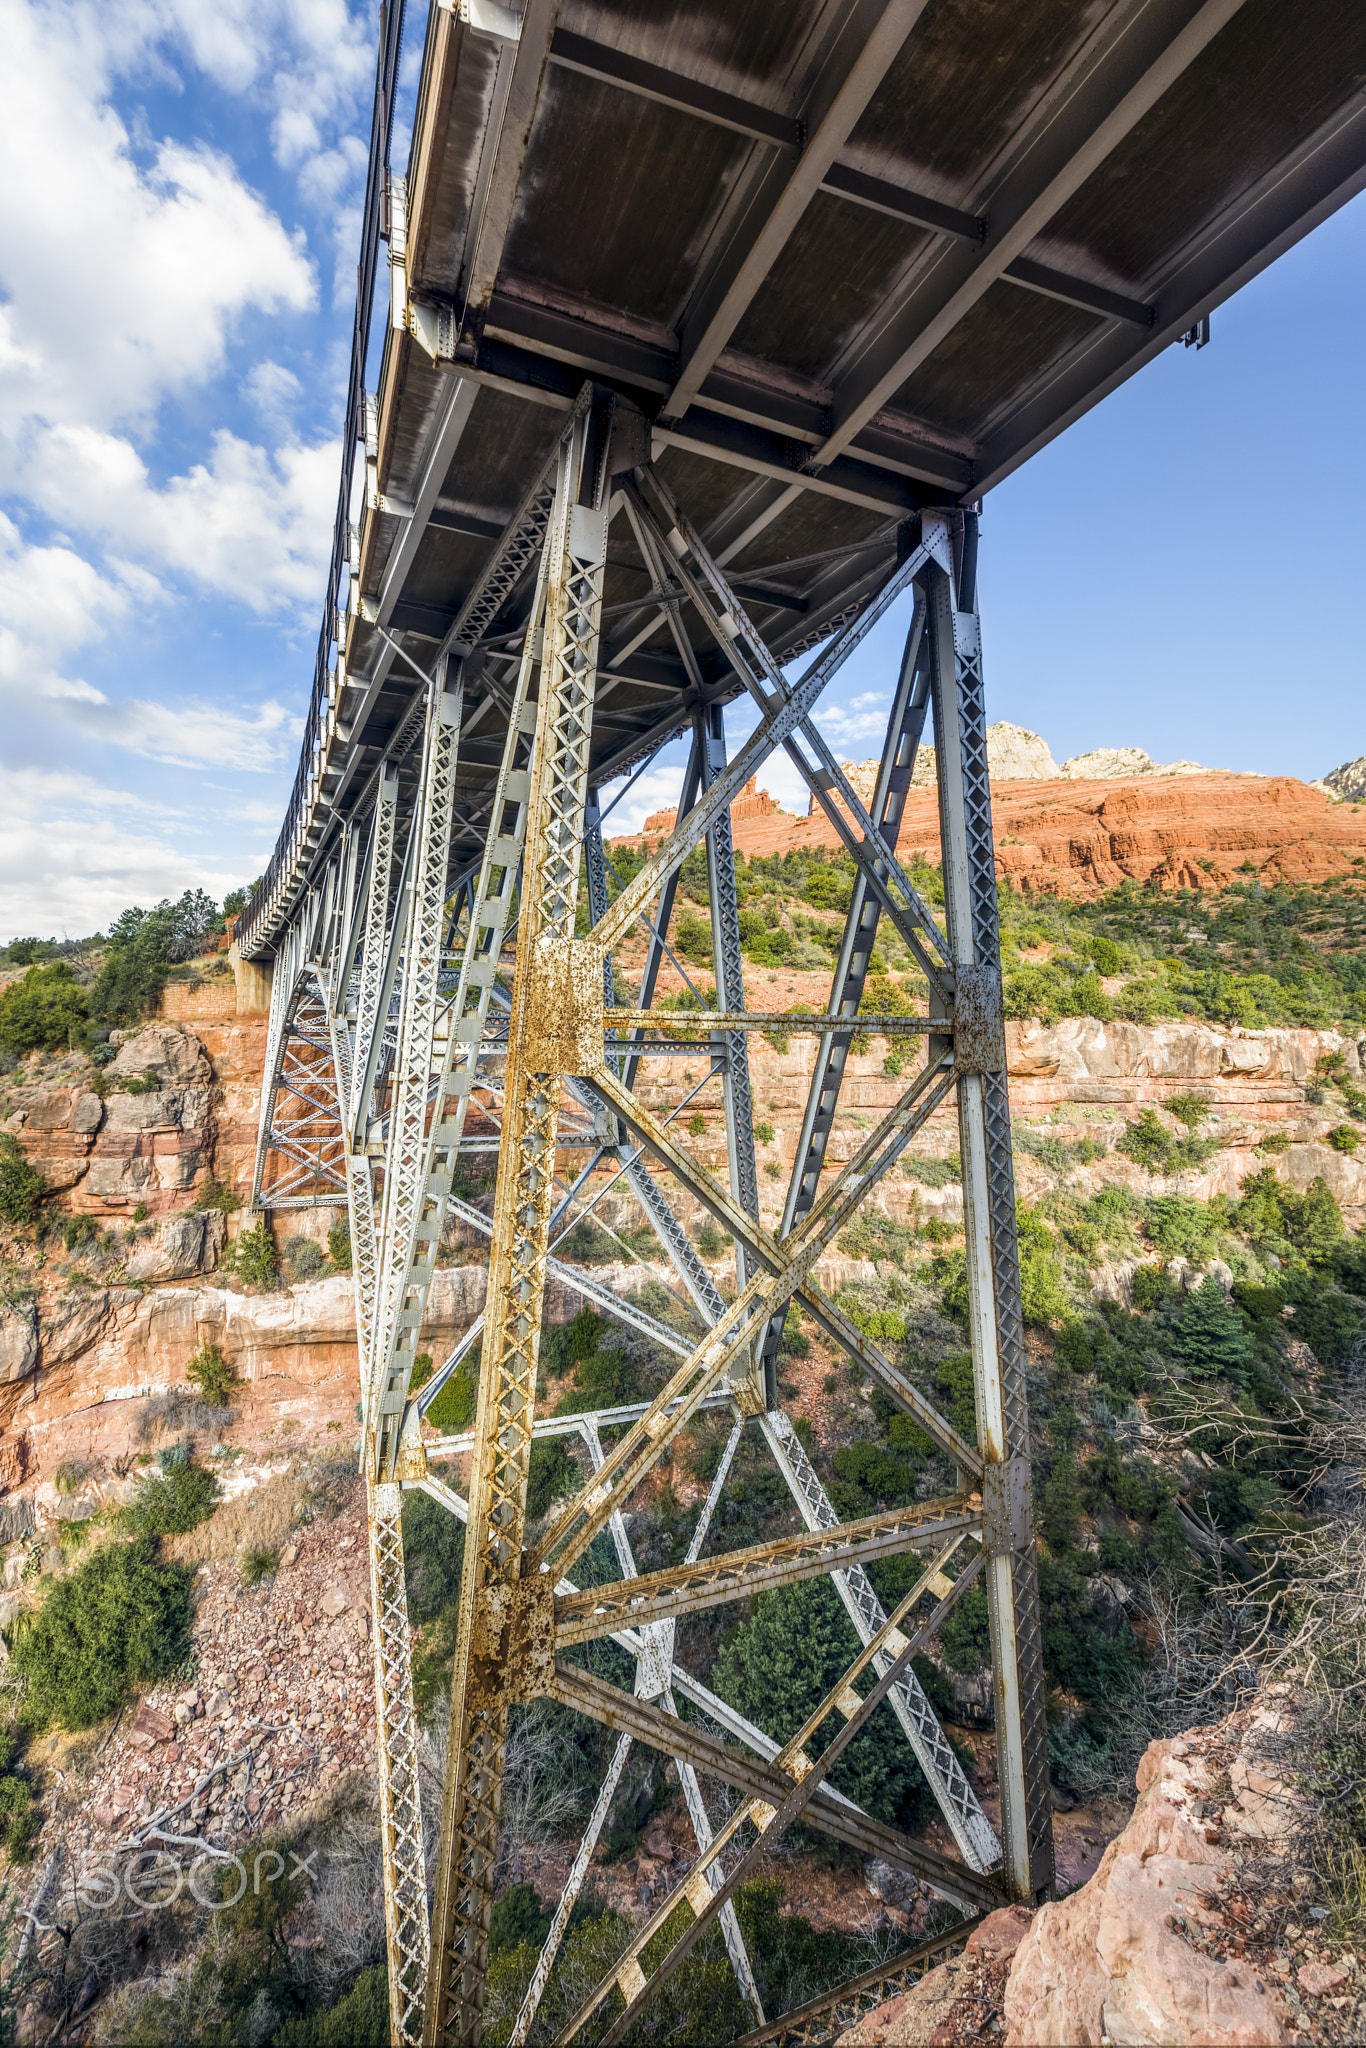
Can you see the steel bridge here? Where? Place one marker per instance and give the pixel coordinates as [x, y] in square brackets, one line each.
[706, 331]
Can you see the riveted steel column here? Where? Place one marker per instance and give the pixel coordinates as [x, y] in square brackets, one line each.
[909, 705]
[730, 996]
[493, 1646]
[993, 1268]
[413, 1215]
[375, 935]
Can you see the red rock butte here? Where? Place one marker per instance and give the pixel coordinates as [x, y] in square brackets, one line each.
[1076, 838]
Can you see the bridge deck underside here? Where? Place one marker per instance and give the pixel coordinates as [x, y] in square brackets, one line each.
[849, 261]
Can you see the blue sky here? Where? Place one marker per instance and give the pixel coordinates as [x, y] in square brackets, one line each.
[1181, 572]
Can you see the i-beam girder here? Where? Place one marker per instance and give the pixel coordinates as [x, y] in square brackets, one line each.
[393, 1018]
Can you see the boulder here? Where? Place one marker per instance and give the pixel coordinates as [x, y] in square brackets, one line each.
[949, 2002]
[176, 1057]
[1115, 764]
[18, 1342]
[183, 1245]
[17, 1519]
[76, 1322]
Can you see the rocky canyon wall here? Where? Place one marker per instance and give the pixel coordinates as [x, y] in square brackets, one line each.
[85, 1351]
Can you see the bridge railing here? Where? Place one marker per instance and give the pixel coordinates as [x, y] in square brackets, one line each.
[373, 230]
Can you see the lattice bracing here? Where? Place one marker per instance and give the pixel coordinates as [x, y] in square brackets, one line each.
[409, 1011]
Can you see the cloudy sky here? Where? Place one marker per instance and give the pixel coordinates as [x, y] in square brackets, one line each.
[177, 259]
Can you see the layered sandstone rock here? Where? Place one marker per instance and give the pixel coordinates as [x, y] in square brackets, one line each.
[128, 1147]
[752, 802]
[1118, 1961]
[1174, 828]
[949, 2002]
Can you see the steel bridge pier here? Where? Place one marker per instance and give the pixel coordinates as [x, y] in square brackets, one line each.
[402, 1004]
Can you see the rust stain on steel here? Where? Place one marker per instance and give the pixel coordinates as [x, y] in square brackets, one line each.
[656, 1595]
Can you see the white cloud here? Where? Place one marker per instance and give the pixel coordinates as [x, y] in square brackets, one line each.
[130, 264]
[73, 854]
[250, 526]
[272, 391]
[191, 734]
[124, 280]
[53, 605]
[658, 790]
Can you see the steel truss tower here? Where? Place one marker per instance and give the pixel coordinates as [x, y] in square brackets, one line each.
[405, 993]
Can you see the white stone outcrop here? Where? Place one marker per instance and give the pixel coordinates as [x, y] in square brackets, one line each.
[1014, 754]
[1117, 764]
[1347, 783]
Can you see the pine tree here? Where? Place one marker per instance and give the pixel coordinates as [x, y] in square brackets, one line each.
[1212, 1337]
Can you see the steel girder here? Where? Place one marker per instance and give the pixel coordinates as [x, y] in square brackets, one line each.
[381, 1038]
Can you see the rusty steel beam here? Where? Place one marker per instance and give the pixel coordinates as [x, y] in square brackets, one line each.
[642, 1445]
[756, 1779]
[687, 1588]
[556, 982]
[824, 2019]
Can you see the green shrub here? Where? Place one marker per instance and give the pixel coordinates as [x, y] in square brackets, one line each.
[146, 1083]
[953, 1378]
[43, 1012]
[792, 1344]
[1041, 1295]
[216, 1194]
[965, 1633]
[780, 1663]
[20, 1825]
[517, 1917]
[252, 1257]
[178, 1498]
[1073, 1348]
[562, 1348]
[359, 2020]
[1343, 1139]
[21, 1185]
[433, 1557]
[879, 1325]
[453, 1409]
[339, 1245]
[121, 1621]
[212, 1377]
[697, 1125]
[1180, 1227]
[1147, 1143]
[143, 946]
[256, 1565]
[1274, 1216]
[1329, 1324]
[1150, 1287]
[553, 1474]
[305, 1258]
[1190, 1109]
[764, 1133]
[1062, 1503]
[712, 1240]
[905, 1435]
